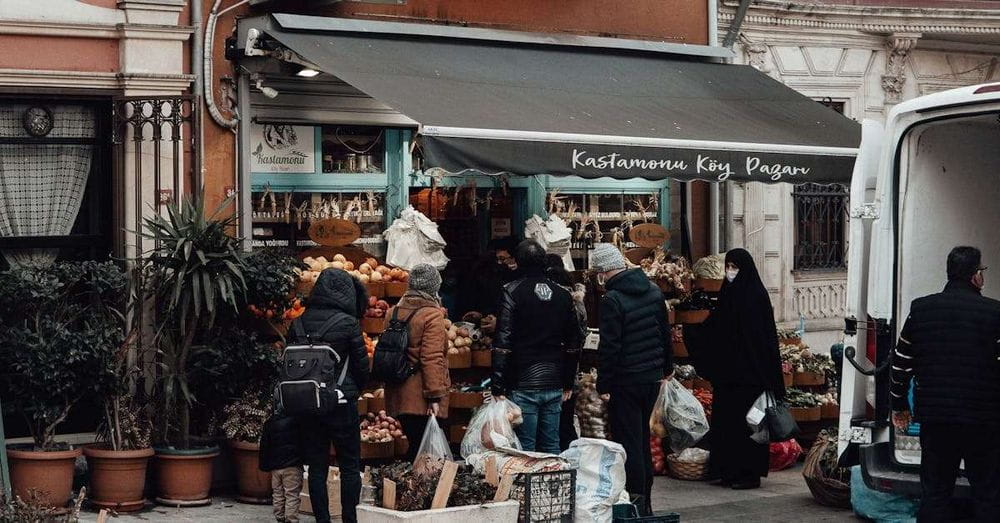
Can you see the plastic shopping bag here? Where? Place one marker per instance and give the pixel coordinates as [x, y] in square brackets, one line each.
[600, 477]
[682, 416]
[492, 427]
[756, 417]
[434, 450]
[784, 455]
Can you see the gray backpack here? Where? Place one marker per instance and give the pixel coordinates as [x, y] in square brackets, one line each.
[308, 383]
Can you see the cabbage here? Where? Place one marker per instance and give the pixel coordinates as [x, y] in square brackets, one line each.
[710, 267]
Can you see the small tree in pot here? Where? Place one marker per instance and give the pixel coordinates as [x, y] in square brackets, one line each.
[196, 270]
[58, 327]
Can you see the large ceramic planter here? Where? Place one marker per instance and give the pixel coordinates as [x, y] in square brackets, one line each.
[117, 477]
[254, 486]
[184, 477]
[49, 474]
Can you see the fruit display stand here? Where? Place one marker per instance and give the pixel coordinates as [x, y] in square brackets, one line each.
[469, 358]
[811, 403]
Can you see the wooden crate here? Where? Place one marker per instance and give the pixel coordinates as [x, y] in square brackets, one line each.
[377, 450]
[376, 289]
[482, 358]
[809, 379]
[460, 361]
[464, 400]
[804, 414]
[373, 325]
[396, 289]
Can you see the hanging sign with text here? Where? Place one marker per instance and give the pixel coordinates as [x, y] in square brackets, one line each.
[334, 232]
[648, 235]
[282, 149]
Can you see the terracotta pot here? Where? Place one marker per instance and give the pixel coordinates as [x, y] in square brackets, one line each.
[50, 474]
[184, 477]
[254, 485]
[117, 477]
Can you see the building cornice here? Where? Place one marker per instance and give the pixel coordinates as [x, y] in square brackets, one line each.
[89, 30]
[863, 18]
[168, 83]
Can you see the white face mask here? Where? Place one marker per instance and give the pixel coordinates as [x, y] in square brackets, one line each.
[731, 274]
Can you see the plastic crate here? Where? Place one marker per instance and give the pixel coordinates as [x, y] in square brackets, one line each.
[627, 513]
[547, 497]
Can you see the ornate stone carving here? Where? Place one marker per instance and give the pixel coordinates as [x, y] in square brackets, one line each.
[756, 53]
[821, 299]
[899, 47]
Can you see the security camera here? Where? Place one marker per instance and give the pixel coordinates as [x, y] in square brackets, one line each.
[269, 92]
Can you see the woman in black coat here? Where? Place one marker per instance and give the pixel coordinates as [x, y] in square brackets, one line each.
[737, 348]
[339, 298]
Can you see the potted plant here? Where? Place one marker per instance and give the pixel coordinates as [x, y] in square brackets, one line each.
[196, 271]
[271, 277]
[243, 425]
[58, 325]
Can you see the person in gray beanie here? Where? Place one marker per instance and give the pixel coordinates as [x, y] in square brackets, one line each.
[425, 393]
[633, 356]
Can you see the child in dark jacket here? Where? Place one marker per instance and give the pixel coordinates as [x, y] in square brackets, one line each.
[280, 455]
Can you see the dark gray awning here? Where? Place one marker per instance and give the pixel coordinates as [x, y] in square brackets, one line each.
[562, 109]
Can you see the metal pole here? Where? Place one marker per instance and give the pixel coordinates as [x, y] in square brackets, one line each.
[197, 67]
[244, 194]
[734, 28]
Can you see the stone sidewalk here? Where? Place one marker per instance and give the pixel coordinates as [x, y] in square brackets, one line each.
[784, 497]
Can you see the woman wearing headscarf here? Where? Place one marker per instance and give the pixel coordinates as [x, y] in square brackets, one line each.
[737, 348]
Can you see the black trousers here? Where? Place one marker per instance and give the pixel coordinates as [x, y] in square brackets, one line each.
[341, 429]
[943, 447]
[734, 456]
[628, 412]
[413, 427]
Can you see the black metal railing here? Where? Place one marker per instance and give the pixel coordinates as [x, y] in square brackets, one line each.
[821, 216]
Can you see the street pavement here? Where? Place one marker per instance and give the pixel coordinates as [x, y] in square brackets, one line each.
[783, 497]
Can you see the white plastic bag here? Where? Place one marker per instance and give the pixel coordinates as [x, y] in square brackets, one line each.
[413, 239]
[600, 477]
[554, 236]
[492, 427]
[434, 450]
[755, 420]
[682, 415]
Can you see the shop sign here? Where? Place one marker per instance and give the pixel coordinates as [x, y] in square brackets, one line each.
[648, 235]
[278, 148]
[500, 228]
[334, 232]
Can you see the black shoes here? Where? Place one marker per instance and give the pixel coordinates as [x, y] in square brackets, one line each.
[746, 485]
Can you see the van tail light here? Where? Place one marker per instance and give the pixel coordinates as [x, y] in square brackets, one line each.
[871, 349]
[992, 88]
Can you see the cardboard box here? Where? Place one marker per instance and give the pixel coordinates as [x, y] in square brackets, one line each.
[332, 491]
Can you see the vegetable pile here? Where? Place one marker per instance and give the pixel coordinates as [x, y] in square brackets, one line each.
[369, 345]
[710, 267]
[672, 269]
[416, 492]
[659, 458]
[273, 311]
[369, 271]
[377, 393]
[376, 308]
[800, 398]
[380, 428]
[704, 397]
[459, 338]
[591, 409]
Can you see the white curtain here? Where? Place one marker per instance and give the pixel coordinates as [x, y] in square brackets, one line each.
[42, 185]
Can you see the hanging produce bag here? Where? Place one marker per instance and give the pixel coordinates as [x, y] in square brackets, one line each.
[413, 239]
[434, 450]
[492, 427]
[678, 416]
[554, 236]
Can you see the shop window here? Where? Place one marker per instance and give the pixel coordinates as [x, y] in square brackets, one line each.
[349, 149]
[821, 226]
[55, 190]
[597, 218]
[282, 219]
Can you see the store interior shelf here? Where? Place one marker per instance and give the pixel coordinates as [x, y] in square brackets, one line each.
[327, 182]
[258, 219]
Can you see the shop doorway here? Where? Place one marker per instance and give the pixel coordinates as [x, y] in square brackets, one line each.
[471, 220]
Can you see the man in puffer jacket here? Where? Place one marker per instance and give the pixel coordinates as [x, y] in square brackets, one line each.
[340, 298]
[633, 356]
[536, 349]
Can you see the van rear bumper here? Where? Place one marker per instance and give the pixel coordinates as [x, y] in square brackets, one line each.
[882, 474]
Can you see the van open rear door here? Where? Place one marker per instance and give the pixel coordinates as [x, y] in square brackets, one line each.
[855, 385]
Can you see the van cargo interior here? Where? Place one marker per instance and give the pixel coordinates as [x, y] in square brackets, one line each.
[950, 172]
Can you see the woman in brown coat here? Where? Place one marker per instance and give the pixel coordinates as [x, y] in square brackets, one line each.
[425, 393]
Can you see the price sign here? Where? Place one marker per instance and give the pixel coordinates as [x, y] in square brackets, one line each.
[648, 235]
[334, 232]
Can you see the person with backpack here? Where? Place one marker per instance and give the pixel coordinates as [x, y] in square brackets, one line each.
[425, 391]
[331, 320]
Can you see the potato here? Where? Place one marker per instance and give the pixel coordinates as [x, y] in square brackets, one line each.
[372, 262]
[375, 276]
[340, 258]
[337, 265]
[348, 266]
[452, 335]
[364, 278]
[365, 268]
[383, 270]
[463, 332]
[453, 351]
[321, 260]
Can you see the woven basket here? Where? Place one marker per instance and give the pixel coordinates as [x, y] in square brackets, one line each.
[686, 471]
[825, 491]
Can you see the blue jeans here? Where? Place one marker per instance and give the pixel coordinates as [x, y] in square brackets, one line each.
[541, 410]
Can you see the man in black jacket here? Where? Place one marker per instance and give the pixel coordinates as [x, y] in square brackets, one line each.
[949, 346]
[536, 349]
[339, 298]
[633, 356]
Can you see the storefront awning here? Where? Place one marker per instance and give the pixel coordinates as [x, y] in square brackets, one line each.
[562, 109]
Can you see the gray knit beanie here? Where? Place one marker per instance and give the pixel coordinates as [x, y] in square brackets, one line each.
[606, 258]
[425, 278]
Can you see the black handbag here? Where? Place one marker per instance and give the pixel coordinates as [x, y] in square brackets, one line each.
[780, 423]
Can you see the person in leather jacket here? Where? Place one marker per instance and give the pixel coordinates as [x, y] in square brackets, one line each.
[536, 349]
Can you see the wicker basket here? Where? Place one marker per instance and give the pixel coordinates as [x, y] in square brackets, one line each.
[686, 471]
[825, 491]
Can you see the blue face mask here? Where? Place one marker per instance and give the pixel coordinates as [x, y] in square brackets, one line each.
[731, 274]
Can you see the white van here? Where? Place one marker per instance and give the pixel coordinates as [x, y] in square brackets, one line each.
[926, 181]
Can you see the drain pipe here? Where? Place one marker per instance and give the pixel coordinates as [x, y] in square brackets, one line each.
[208, 85]
[199, 88]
